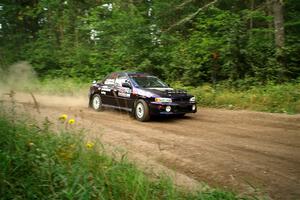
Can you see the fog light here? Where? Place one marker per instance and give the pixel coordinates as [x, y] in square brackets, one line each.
[168, 108]
[194, 107]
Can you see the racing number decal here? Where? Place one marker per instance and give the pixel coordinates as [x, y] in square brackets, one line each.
[124, 92]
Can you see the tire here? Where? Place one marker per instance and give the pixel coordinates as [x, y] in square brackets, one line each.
[141, 111]
[96, 103]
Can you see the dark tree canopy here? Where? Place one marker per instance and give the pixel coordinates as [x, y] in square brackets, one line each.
[191, 41]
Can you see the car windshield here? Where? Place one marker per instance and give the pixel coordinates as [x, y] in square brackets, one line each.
[148, 82]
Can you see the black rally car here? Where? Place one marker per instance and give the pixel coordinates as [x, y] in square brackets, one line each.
[140, 93]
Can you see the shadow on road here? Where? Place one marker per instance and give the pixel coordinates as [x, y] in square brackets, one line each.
[157, 118]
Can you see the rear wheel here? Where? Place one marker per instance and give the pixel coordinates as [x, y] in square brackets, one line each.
[141, 111]
[96, 102]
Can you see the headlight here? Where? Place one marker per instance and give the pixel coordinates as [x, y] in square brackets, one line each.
[192, 99]
[163, 100]
[168, 108]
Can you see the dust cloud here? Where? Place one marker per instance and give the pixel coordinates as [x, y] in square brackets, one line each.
[18, 77]
[21, 80]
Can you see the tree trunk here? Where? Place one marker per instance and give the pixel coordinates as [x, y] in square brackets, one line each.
[251, 18]
[270, 23]
[278, 23]
[279, 37]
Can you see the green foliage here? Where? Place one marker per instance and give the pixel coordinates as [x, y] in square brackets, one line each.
[231, 41]
[39, 164]
[284, 98]
[208, 48]
[62, 87]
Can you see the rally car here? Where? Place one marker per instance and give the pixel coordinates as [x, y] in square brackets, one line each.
[141, 94]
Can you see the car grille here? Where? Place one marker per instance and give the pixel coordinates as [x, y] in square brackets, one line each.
[181, 99]
[183, 108]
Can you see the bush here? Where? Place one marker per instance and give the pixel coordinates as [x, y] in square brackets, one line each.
[283, 98]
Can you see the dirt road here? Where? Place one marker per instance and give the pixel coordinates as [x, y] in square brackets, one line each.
[248, 152]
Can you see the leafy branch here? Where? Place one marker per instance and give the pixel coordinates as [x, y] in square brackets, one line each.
[191, 16]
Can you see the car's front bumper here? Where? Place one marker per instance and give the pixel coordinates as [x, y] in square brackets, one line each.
[176, 108]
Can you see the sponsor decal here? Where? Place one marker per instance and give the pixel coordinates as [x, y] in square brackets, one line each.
[103, 92]
[105, 88]
[123, 94]
[109, 82]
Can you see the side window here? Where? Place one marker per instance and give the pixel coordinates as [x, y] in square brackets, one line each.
[110, 80]
[120, 80]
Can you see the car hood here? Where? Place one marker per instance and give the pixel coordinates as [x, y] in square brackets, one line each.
[165, 92]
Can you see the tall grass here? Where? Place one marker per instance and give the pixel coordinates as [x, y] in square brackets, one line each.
[59, 86]
[284, 98]
[39, 164]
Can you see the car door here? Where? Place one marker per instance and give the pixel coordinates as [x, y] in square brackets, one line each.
[124, 94]
[108, 92]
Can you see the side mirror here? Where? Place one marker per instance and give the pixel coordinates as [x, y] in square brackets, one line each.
[127, 85]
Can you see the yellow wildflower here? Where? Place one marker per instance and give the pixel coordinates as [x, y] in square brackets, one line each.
[71, 121]
[90, 145]
[63, 117]
[66, 155]
[30, 144]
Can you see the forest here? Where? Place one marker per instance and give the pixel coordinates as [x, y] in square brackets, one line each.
[234, 56]
[190, 41]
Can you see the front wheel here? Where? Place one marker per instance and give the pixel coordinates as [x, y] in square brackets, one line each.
[141, 111]
[96, 102]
